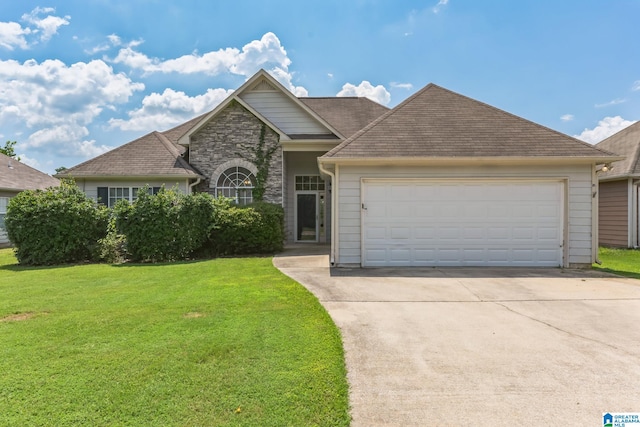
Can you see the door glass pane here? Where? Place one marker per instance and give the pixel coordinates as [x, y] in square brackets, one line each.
[306, 218]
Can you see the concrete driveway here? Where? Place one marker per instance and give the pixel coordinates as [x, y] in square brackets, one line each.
[480, 346]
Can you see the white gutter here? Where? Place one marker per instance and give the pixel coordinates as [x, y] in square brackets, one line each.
[322, 169]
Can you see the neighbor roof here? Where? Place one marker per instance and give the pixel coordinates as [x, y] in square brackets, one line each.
[436, 122]
[153, 155]
[16, 176]
[626, 143]
[347, 114]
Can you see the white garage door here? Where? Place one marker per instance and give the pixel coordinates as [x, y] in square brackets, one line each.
[462, 223]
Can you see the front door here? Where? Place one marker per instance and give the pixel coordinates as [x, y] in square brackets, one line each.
[307, 217]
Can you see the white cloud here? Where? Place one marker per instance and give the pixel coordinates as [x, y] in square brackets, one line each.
[34, 163]
[567, 117]
[366, 89]
[636, 85]
[162, 111]
[606, 127]
[285, 78]
[440, 5]
[56, 102]
[66, 140]
[397, 85]
[51, 92]
[611, 103]
[45, 26]
[264, 53]
[12, 35]
[267, 53]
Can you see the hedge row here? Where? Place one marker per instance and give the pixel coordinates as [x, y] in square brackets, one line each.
[61, 225]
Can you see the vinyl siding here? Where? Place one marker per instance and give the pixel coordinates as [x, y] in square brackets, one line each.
[578, 199]
[613, 207]
[284, 113]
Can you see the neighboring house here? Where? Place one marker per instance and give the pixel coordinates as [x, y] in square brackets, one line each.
[619, 190]
[440, 179]
[14, 178]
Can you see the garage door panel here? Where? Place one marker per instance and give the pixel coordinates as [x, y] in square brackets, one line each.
[497, 234]
[523, 234]
[473, 233]
[448, 233]
[376, 233]
[400, 233]
[550, 233]
[421, 232]
[500, 224]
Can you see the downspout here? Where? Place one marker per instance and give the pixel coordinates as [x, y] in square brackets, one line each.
[630, 203]
[191, 186]
[634, 214]
[322, 169]
[595, 208]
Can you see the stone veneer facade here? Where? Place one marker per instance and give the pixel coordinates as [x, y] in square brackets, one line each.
[228, 137]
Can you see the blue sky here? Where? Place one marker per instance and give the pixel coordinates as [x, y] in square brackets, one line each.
[79, 77]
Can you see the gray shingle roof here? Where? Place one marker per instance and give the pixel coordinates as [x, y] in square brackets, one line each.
[153, 154]
[346, 114]
[16, 176]
[436, 122]
[625, 143]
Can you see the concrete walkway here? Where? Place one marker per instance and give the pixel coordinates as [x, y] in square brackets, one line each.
[480, 346]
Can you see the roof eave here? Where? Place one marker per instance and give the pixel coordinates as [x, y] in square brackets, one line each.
[130, 177]
[537, 160]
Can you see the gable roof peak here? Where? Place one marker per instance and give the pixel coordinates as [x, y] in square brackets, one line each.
[436, 122]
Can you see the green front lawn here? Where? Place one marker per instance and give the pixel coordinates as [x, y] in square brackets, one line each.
[625, 262]
[220, 342]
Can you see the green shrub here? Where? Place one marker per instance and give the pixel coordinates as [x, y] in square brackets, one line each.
[166, 226]
[253, 229]
[55, 226]
[111, 248]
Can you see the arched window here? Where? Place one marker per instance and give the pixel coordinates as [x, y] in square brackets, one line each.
[236, 183]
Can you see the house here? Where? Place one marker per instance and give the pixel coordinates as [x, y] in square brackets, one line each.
[14, 178]
[619, 190]
[439, 180]
[216, 153]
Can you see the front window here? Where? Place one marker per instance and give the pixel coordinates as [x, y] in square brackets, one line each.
[109, 196]
[236, 183]
[118, 193]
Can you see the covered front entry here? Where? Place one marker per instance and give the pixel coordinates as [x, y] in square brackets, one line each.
[426, 222]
